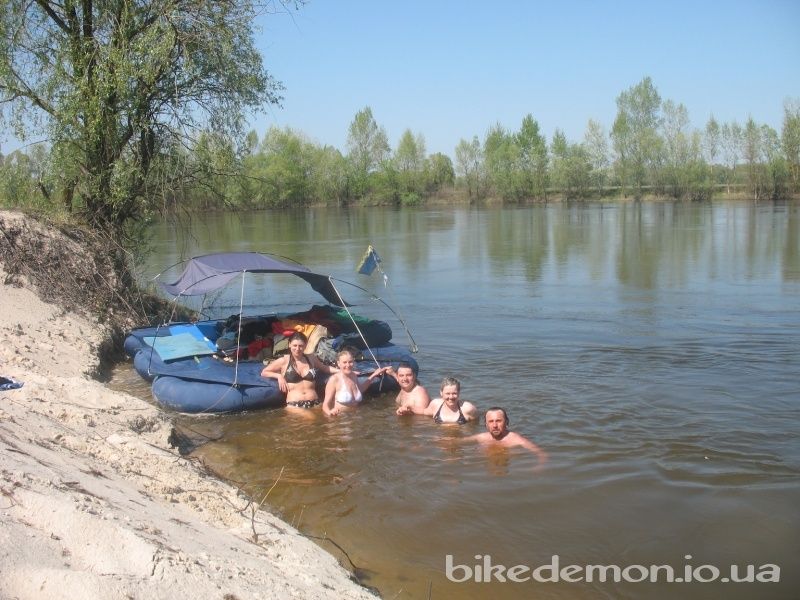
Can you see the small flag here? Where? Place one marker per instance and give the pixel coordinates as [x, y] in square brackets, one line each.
[369, 262]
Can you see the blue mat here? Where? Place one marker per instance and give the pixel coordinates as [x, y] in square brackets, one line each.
[186, 340]
[9, 383]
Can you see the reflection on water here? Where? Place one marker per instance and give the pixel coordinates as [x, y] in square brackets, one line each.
[651, 349]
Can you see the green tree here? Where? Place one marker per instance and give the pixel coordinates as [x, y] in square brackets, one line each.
[731, 143]
[775, 167]
[286, 176]
[559, 157]
[211, 170]
[470, 165]
[384, 186]
[440, 171]
[410, 153]
[368, 149]
[571, 168]
[114, 85]
[250, 143]
[678, 149]
[501, 158]
[712, 139]
[18, 180]
[635, 135]
[751, 152]
[410, 162]
[532, 159]
[790, 141]
[289, 170]
[595, 143]
[248, 186]
[329, 176]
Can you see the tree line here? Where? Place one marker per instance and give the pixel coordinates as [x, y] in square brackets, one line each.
[650, 150]
[143, 106]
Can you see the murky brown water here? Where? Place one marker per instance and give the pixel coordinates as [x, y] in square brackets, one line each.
[653, 350]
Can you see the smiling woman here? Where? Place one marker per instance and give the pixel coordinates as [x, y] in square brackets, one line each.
[297, 374]
[448, 408]
[344, 390]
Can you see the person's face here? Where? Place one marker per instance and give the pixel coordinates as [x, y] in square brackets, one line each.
[297, 347]
[405, 377]
[496, 423]
[450, 394]
[345, 362]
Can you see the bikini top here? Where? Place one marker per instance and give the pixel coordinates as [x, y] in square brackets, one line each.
[437, 418]
[344, 396]
[292, 376]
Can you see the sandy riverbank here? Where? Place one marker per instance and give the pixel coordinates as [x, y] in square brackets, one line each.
[95, 504]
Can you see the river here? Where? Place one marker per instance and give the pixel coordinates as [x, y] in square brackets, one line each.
[653, 350]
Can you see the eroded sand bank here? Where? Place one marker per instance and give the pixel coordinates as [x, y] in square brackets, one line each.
[95, 504]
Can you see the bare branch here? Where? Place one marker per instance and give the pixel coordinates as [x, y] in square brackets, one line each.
[53, 15]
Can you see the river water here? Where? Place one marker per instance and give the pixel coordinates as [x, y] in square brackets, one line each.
[652, 349]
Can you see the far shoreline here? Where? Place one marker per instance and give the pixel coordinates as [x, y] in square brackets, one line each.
[459, 200]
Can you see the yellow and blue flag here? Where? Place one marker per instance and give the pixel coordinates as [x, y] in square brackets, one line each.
[369, 262]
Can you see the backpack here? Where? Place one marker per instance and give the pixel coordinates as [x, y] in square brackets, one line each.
[325, 351]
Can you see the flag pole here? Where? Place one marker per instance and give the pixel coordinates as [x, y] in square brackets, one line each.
[369, 263]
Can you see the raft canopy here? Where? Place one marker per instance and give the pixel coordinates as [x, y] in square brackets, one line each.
[204, 274]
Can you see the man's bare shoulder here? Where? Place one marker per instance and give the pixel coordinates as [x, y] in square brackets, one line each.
[483, 438]
[514, 439]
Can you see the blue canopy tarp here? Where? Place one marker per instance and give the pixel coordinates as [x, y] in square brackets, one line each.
[210, 272]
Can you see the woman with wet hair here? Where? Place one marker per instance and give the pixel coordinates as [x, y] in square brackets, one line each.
[297, 374]
[344, 391]
[448, 408]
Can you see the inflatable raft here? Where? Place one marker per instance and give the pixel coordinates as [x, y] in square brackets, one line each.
[214, 366]
[205, 382]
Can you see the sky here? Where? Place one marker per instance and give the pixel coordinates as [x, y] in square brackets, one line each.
[450, 69]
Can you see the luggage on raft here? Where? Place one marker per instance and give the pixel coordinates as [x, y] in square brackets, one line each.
[205, 382]
[215, 365]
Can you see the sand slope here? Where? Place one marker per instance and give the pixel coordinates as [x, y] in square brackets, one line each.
[95, 504]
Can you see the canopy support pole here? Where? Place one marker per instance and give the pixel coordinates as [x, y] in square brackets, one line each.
[358, 329]
[399, 316]
[239, 332]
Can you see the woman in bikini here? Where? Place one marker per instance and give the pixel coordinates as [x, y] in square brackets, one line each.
[297, 374]
[448, 408]
[344, 391]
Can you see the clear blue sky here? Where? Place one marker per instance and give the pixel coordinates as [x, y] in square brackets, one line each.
[450, 69]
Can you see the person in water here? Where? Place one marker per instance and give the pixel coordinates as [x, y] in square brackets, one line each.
[297, 373]
[448, 408]
[498, 434]
[411, 394]
[343, 390]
